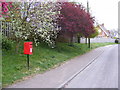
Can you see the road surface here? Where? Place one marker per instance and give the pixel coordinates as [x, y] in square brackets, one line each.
[102, 73]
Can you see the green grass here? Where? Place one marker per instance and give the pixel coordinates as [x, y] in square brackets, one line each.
[43, 58]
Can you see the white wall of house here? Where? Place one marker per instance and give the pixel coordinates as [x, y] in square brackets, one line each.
[99, 40]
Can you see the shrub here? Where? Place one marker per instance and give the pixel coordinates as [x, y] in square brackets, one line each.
[6, 44]
[0, 40]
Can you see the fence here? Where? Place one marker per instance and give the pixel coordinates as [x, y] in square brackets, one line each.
[5, 28]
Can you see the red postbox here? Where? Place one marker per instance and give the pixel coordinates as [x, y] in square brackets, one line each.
[28, 48]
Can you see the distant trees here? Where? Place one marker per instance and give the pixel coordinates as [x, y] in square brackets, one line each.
[95, 33]
[74, 19]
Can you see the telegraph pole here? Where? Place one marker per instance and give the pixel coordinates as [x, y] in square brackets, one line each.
[88, 12]
[87, 6]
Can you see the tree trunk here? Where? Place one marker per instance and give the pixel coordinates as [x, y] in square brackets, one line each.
[71, 40]
[78, 39]
[88, 42]
[17, 47]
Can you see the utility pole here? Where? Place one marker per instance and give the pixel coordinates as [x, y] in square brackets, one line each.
[88, 12]
[87, 6]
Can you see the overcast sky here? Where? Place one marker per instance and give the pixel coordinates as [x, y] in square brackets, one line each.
[105, 11]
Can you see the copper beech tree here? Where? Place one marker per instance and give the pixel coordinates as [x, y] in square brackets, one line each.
[73, 19]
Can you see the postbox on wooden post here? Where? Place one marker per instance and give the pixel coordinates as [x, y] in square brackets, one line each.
[28, 50]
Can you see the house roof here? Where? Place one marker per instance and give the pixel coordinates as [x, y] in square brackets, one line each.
[103, 29]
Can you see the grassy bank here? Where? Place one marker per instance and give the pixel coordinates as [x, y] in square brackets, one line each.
[43, 58]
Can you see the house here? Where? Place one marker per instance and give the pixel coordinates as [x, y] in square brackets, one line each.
[103, 32]
[114, 34]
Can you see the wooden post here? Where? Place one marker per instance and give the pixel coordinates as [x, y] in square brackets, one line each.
[28, 61]
[88, 12]
[78, 39]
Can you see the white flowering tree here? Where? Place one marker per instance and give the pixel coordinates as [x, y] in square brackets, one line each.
[20, 28]
[34, 20]
[43, 17]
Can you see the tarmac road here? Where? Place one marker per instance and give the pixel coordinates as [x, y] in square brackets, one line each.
[102, 73]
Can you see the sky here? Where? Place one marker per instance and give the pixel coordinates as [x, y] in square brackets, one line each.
[104, 11]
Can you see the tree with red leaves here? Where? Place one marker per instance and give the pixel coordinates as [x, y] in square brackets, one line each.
[74, 19]
[4, 6]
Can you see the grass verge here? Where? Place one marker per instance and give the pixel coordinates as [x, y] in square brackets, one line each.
[44, 58]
